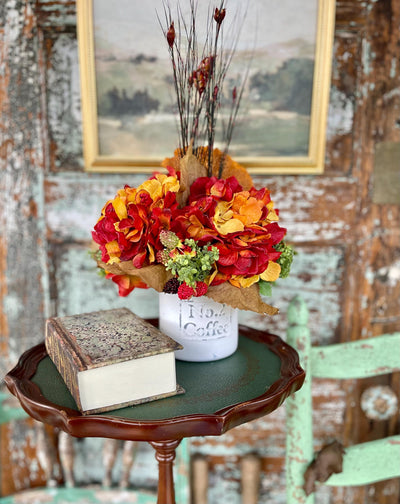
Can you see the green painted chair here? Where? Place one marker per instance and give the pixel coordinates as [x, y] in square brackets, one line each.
[95, 494]
[358, 359]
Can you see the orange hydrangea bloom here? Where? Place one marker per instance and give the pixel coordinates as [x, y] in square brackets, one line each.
[129, 226]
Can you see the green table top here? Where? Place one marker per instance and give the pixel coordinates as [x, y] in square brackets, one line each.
[209, 387]
[220, 395]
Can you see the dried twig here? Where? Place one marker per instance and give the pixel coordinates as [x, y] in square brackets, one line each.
[199, 77]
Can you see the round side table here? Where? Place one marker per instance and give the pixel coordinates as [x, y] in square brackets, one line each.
[219, 395]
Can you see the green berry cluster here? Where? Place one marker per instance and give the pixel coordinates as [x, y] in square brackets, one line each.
[285, 261]
[169, 239]
[188, 261]
[286, 258]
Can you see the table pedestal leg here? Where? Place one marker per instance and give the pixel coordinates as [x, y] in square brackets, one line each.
[165, 455]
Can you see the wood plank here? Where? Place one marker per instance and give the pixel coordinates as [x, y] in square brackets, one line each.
[18, 458]
[24, 291]
[63, 101]
[357, 359]
[299, 444]
[385, 272]
[350, 15]
[56, 14]
[75, 268]
[374, 122]
[361, 466]
[309, 207]
[24, 294]
[318, 273]
[331, 217]
[340, 125]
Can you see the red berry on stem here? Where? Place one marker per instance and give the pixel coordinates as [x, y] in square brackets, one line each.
[185, 291]
[219, 15]
[201, 289]
[171, 35]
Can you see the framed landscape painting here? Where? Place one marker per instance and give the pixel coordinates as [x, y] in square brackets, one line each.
[128, 104]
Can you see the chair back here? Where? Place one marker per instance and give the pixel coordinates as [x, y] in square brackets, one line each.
[354, 360]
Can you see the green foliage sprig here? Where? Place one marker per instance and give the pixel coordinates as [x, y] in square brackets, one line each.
[188, 261]
[285, 261]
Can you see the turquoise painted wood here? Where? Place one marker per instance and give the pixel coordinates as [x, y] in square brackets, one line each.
[182, 472]
[299, 444]
[360, 463]
[79, 496]
[9, 412]
[358, 359]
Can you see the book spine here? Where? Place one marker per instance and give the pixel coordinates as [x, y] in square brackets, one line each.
[60, 353]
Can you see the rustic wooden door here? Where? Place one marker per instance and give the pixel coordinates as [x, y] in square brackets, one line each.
[344, 225]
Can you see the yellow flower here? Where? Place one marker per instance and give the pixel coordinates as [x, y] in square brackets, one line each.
[119, 204]
[113, 251]
[159, 186]
[272, 272]
[224, 219]
[242, 281]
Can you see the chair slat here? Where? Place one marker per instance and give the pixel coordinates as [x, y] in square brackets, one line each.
[369, 462]
[79, 496]
[357, 359]
[363, 463]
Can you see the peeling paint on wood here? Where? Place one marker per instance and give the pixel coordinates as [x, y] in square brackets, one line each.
[23, 301]
[74, 202]
[79, 289]
[53, 14]
[63, 103]
[341, 114]
[19, 466]
[348, 261]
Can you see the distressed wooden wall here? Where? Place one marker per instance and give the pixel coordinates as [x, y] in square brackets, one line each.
[348, 262]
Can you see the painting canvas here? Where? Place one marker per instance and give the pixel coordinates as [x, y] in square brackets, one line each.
[133, 102]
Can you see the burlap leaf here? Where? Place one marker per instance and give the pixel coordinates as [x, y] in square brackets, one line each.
[245, 298]
[232, 169]
[155, 276]
[191, 169]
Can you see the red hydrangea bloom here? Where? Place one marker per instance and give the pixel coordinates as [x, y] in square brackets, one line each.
[130, 224]
[241, 224]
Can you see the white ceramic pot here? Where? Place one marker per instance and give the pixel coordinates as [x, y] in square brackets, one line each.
[207, 330]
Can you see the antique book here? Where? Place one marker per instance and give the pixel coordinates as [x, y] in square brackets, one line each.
[111, 359]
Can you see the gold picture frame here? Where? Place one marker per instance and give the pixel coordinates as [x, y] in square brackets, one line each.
[309, 162]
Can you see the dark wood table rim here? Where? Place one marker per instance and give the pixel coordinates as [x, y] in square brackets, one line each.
[73, 422]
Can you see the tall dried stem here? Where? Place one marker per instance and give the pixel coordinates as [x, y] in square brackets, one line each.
[199, 77]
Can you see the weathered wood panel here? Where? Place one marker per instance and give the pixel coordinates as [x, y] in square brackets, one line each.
[21, 204]
[375, 119]
[63, 101]
[79, 289]
[56, 15]
[24, 278]
[348, 261]
[20, 468]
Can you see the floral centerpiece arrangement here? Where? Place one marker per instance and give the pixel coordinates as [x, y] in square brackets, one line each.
[200, 228]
